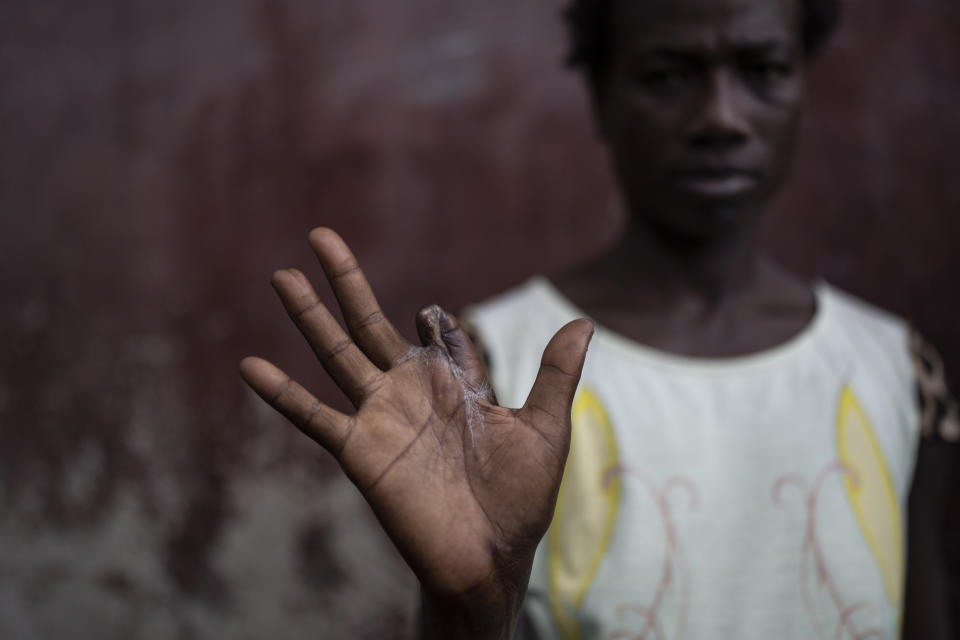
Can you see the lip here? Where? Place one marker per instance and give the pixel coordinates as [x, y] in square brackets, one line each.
[716, 184]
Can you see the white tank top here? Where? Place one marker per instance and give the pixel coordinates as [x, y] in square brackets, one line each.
[761, 496]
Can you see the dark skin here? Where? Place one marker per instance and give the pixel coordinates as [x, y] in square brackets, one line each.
[699, 109]
[720, 83]
[463, 487]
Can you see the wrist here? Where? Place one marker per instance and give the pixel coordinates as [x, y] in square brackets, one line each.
[481, 616]
[487, 612]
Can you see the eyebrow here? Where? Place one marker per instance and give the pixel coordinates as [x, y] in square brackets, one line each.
[687, 50]
[693, 51]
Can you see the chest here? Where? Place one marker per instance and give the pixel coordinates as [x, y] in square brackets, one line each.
[744, 504]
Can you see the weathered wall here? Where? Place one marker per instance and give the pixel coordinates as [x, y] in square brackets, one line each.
[159, 160]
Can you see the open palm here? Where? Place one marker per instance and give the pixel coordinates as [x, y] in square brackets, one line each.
[465, 488]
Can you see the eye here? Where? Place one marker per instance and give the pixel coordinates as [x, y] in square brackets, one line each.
[664, 79]
[768, 72]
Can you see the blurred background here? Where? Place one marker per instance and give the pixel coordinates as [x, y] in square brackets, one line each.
[159, 160]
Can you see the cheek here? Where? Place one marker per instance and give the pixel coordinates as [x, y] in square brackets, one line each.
[643, 137]
[782, 133]
[781, 124]
[629, 114]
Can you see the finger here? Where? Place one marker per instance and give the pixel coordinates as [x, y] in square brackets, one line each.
[325, 425]
[378, 338]
[428, 326]
[351, 371]
[559, 374]
[436, 326]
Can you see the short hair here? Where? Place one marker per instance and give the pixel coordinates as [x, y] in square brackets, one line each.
[589, 23]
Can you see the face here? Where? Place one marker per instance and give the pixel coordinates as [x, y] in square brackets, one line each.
[700, 108]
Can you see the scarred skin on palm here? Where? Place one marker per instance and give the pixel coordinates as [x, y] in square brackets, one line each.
[465, 488]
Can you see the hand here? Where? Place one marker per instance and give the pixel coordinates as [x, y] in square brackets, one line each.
[463, 487]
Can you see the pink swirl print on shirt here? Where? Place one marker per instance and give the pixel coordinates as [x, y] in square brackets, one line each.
[674, 572]
[812, 551]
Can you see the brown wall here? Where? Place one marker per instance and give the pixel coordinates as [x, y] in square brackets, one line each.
[159, 160]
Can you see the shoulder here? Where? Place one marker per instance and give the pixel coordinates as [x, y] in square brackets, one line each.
[519, 314]
[511, 330]
[891, 347]
[518, 300]
[863, 338]
[866, 343]
[857, 319]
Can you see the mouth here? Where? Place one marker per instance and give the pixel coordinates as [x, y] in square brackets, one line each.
[716, 184]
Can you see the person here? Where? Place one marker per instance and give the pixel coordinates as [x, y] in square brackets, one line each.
[747, 451]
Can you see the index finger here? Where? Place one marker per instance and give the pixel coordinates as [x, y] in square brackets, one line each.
[327, 426]
[371, 330]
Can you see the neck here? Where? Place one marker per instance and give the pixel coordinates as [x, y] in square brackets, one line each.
[711, 298]
[669, 264]
[651, 271]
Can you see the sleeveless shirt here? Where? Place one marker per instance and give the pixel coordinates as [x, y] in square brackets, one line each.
[757, 496]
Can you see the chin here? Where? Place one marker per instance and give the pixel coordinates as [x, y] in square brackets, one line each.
[707, 221]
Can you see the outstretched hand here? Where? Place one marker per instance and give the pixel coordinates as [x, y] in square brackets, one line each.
[464, 488]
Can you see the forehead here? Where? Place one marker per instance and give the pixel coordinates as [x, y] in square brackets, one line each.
[704, 24]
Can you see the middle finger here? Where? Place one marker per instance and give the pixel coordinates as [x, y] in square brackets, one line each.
[350, 369]
[373, 332]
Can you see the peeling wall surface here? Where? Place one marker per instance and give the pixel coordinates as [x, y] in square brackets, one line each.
[159, 159]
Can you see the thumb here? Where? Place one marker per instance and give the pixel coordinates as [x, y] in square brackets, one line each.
[560, 369]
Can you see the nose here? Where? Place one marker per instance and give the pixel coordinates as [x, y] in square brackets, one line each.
[719, 119]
